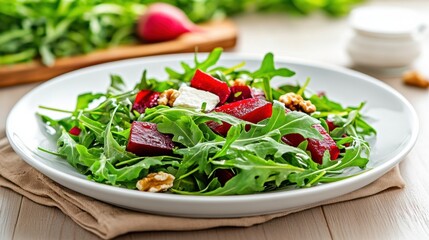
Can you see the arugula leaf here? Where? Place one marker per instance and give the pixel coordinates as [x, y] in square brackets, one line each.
[280, 124]
[189, 71]
[112, 150]
[136, 171]
[84, 99]
[269, 70]
[184, 130]
[144, 82]
[99, 170]
[268, 91]
[76, 154]
[67, 146]
[95, 126]
[324, 104]
[254, 173]
[117, 85]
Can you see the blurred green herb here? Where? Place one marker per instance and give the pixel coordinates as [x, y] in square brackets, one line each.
[50, 29]
[57, 28]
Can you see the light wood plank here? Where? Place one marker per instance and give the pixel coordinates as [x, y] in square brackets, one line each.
[392, 215]
[40, 222]
[201, 234]
[309, 224]
[10, 203]
[294, 226]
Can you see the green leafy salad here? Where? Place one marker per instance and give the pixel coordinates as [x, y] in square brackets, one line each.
[50, 29]
[212, 130]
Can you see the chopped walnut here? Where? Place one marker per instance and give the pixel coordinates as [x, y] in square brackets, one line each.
[237, 82]
[156, 182]
[415, 78]
[168, 97]
[294, 102]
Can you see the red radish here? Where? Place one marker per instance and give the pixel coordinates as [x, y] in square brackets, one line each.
[239, 93]
[163, 22]
[206, 82]
[145, 99]
[146, 140]
[252, 110]
[75, 131]
[224, 175]
[315, 146]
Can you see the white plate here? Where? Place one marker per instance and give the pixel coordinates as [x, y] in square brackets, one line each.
[392, 116]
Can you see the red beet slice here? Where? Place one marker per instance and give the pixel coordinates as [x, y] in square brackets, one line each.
[145, 99]
[206, 82]
[316, 147]
[224, 175]
[145, 140]
[239, 93]
[75, 131]
[258, 93]
[331, 125]
[252, 110]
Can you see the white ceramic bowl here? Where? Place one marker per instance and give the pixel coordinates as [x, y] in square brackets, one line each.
[392, 116]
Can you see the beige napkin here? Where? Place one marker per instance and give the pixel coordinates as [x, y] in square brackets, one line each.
[108, 221]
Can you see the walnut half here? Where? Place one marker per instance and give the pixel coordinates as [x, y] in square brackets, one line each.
[156, 182]
[294, 102]
[168, 97]
[237, 82]
[415, 78]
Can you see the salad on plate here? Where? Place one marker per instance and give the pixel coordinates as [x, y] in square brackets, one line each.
[212, 130]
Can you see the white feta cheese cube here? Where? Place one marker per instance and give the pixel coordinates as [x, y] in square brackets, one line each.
[194, 98]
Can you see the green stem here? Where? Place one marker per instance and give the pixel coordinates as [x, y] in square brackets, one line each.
[302, 89]
[189, 173]
[233, 68]
[316, 179]
[68, 111]
[53, 153]
[132, 160]
[56, 109]
[126, 94]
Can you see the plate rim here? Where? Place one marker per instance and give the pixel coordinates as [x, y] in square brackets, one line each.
[384, 167]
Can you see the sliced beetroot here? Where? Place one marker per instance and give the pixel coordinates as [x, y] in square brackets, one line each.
[316, 147]
[258, 93]
[239, 93]
[206, 82]
[146, 140]
[75, 131]
[224, 175]
[145, 99]
[252, 110]
[331, 125]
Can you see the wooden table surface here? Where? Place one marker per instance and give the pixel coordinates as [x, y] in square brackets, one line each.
[397, 214]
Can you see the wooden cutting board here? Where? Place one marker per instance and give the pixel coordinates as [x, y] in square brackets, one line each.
[216, 34]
